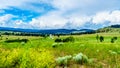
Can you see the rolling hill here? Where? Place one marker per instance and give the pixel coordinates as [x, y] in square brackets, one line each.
[109, 29]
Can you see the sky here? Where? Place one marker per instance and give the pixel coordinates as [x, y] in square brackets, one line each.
[59, 14]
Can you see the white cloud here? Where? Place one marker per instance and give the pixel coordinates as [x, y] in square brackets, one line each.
[7, 3]
[50, 20]
[21, 24]
[56, 20]
[5, 19]
[101, 17]
[69, 13]
[71, 4]
[62, 5]
[75, 22]
[113, 17]
[23, 4]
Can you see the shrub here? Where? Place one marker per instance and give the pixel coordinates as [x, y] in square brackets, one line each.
[17, 40]
[63, 61]
[6, 38]
[112, 52]
[22, 43]
[24, 40]
[58, 40]
[54, 45]
[97, 37]
[101, 38]
[69, 39]
[113, 39]
[57, 44]
[80, 58]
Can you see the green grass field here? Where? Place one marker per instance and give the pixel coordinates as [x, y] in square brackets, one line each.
[39, 52]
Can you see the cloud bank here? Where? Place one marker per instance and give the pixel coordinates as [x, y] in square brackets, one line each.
[59, 14]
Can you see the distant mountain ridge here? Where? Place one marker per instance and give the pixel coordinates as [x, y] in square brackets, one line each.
[46, 31]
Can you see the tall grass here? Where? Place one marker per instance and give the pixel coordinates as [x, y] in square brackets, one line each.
[22, 58]
[39, 52]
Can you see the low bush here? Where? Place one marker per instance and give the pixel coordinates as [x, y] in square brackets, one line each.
[57, 44]
[113, 39]
[101, 38]
[69, 39]
[58, 40]
[80, 58]
[112, 52]
[17, 40]
[63, 61]
[54, 45]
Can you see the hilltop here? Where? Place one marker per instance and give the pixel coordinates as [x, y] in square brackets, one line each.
[109, 29]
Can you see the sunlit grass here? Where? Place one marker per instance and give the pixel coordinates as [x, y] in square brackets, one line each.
[30, 58]
[40, 53]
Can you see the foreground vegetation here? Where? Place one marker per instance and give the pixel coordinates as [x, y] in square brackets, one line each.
[85, 51]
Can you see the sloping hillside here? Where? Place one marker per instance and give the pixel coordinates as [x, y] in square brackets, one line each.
[109, 29]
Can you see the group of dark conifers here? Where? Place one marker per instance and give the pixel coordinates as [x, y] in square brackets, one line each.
[101, 39]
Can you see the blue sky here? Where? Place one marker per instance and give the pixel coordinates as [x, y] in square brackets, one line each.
[58, 14]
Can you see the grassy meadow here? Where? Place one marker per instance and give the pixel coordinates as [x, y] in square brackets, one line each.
[39, 52]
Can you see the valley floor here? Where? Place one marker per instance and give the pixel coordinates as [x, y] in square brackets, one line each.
[41, 52]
